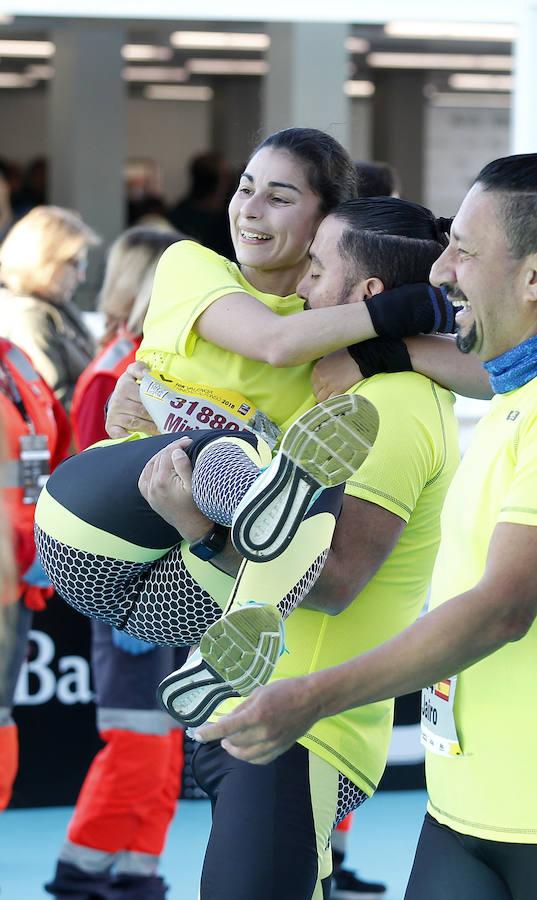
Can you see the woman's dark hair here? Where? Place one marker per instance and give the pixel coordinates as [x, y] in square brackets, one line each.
[396, 240]
[330, 170]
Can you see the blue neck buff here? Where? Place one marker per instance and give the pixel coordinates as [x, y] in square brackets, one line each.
[513, 368]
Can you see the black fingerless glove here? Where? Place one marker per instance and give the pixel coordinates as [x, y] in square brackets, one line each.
[411, 309]
[381, 355]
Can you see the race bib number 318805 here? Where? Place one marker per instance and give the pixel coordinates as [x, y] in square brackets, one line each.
[177, 406]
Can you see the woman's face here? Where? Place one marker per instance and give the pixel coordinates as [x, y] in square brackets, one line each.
[273, 214]
[68, 276]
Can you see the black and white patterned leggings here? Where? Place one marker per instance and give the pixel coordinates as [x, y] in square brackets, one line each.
[112, 557]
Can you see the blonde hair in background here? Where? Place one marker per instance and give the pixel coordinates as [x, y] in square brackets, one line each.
[39, 245]
[128, 279]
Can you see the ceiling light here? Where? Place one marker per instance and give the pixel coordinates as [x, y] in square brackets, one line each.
[219, 40]
[154, 73]
[458, 31]
[26, 48]
[178, 92]
[473, 101]
[41, 72]
[356, 44]
[144, 52]
[227, 66]
[359, 88]
[15, 80]
[439, 61]
[479, 81]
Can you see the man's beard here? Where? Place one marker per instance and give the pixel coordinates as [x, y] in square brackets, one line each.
[466, 342]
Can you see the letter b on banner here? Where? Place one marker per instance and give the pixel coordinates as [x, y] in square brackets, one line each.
[39, 667]
[37, 681]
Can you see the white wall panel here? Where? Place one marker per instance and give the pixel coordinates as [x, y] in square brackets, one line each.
[458, 143]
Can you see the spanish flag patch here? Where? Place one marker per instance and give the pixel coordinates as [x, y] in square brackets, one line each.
[442, 689]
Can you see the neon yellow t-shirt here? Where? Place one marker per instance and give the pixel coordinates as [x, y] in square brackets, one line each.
[407, 472]
[189, 278]
[491, 790]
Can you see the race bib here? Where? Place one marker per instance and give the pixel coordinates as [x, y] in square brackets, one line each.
[438, 728]
[177, 406]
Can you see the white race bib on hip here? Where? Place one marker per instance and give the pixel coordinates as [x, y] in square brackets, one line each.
[438, 728]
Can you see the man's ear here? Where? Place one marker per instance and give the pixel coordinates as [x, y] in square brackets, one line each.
[373, 286]
[531, 278]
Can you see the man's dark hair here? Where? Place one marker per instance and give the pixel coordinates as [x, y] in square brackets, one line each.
[514, 178]
[391, 239]
[376, 179]
[329, 169]
[205, 171]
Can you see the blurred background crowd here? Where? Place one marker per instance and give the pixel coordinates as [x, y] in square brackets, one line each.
[80, 240]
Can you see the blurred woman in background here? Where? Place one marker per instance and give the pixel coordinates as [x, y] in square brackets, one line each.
[42, 262]
[123, 301]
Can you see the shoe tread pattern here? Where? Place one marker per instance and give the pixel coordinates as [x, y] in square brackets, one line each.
[243, 647]
[323, 448]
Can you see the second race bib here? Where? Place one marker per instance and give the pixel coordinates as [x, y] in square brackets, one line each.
[438, 727]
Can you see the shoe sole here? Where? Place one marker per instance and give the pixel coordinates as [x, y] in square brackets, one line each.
[239, 653]
[322, 449]
[191, 697]
[356, 895]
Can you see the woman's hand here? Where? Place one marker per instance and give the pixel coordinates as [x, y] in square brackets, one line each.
[166, 484]
[334, 374]
[126, 412]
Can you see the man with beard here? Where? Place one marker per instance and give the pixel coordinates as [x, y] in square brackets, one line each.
[479, 838]
[383, 551]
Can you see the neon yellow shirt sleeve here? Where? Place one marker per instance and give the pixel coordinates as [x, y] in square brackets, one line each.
[188, 279]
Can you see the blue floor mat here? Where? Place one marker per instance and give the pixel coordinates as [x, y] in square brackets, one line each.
[381, 845]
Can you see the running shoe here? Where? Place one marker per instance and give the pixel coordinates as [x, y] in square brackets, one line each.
[236, 654]
[347, 885]
[323, 448]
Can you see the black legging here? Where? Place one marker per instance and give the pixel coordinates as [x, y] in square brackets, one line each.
[269, 823]
[453, 866]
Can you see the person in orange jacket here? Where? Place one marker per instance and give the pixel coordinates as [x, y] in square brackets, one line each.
[130, 791]
[36, 436]
[7, 559]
